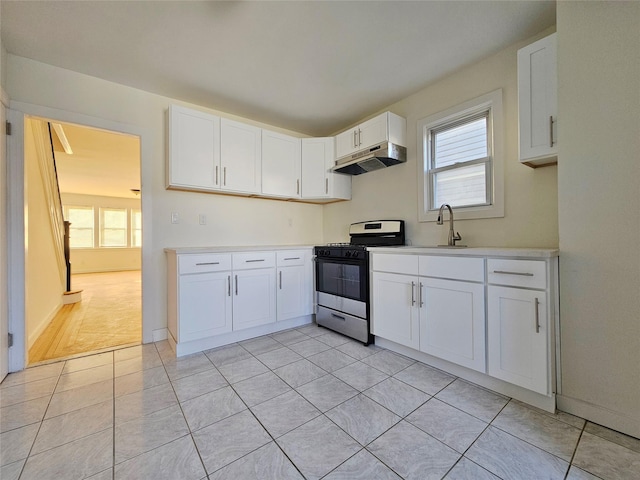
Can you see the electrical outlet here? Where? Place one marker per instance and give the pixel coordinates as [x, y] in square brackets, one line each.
[175, 218]
[202, 219]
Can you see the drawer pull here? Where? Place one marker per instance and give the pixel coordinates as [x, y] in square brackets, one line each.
[256, 260]
[521, 274]
[293, 258]
[338, 317]
[537, 308]
[208, 263]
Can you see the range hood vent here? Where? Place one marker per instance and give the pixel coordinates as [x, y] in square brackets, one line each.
[380, 156]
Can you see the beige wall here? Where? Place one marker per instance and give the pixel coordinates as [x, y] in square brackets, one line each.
[89, 260]
[230, 220]
[530, 195]
[599, 210]
[44, 284]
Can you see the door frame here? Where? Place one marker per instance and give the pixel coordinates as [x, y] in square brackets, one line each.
[15, 216]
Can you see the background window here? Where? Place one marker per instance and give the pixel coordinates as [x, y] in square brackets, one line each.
[81, 229]
[113, 227]
[459, 159]
[462, 161]
[136, 228]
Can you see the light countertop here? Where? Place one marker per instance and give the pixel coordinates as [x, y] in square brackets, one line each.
[225, 249]
[471, 251]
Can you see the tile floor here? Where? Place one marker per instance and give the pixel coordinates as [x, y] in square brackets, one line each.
[304, 403]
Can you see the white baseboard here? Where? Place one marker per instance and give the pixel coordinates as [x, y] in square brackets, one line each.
[33, 336]
[187, 348]
[544, 402]
[600, 415]
[160, 334]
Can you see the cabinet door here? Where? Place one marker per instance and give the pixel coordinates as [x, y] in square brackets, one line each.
[194, 149]
[537, 99]
[452, 325]
[318, 157]
[347, 143]
[518, 331]
[373, 131]
[254, 298]
[294, 292]
[240, 156]
[395, 313]
[204, 305]
[280, 165]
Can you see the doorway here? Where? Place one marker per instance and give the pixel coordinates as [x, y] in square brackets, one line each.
[98, 173]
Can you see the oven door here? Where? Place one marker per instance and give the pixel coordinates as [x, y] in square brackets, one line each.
[343, 278]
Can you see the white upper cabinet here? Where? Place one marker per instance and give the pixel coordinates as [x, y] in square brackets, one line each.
[385, 127]
[240, 157]
[318, 182]
[281, 173]
[537, 102]
[194, 149]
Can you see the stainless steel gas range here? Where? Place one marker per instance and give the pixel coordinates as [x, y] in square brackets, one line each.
[342, 277]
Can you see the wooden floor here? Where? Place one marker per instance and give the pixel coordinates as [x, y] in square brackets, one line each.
[108, 316]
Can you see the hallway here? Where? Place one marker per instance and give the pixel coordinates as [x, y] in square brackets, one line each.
[109, 315]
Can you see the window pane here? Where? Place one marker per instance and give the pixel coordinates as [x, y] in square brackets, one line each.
[461, 143]
[136, 228]
[461, 187]
[81, 229]
[113, 227]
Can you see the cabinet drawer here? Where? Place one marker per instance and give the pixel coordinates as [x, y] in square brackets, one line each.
[455, 268]
[517, 273]
[249, 260]
[407, 264]
[206, 262]
[290, 257]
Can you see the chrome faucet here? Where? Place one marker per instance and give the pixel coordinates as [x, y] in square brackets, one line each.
[453, 238]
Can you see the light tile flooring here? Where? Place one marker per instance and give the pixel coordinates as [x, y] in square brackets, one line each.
[304, 403]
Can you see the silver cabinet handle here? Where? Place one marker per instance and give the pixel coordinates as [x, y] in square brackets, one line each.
[537, 309]
[224, 176]
[359, 137]
[256, 260]
[551, 131]
[298, 187]
[338, 317]
[421, 303]
[326, 186]
[216, 175]
[208, 263]
[236, 285]
[292, 258]
[229, 285]
[280, 279]
[413, 296]
[354, 139]
[521, 274]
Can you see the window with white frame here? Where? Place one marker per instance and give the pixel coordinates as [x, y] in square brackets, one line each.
[81, 228]
[461, 159]
[136, 228]
[113, 227]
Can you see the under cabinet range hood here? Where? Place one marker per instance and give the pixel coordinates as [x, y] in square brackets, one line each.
[383, 155]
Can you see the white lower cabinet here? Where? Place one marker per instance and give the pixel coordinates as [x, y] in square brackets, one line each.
[205, 304]
[452, 325]
[518, 328]
[294, 288]
[218, 298]
[254, 298]
[396, 313]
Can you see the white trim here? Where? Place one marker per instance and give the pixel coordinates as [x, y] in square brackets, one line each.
[600, 415]
[38, 331]
[15, 193]
[160, 334]
[494, 101]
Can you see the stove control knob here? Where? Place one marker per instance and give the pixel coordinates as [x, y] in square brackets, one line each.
[355, 254]
[347, 254]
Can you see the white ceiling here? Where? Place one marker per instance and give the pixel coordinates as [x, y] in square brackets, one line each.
[312, 67]
[103, 163]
